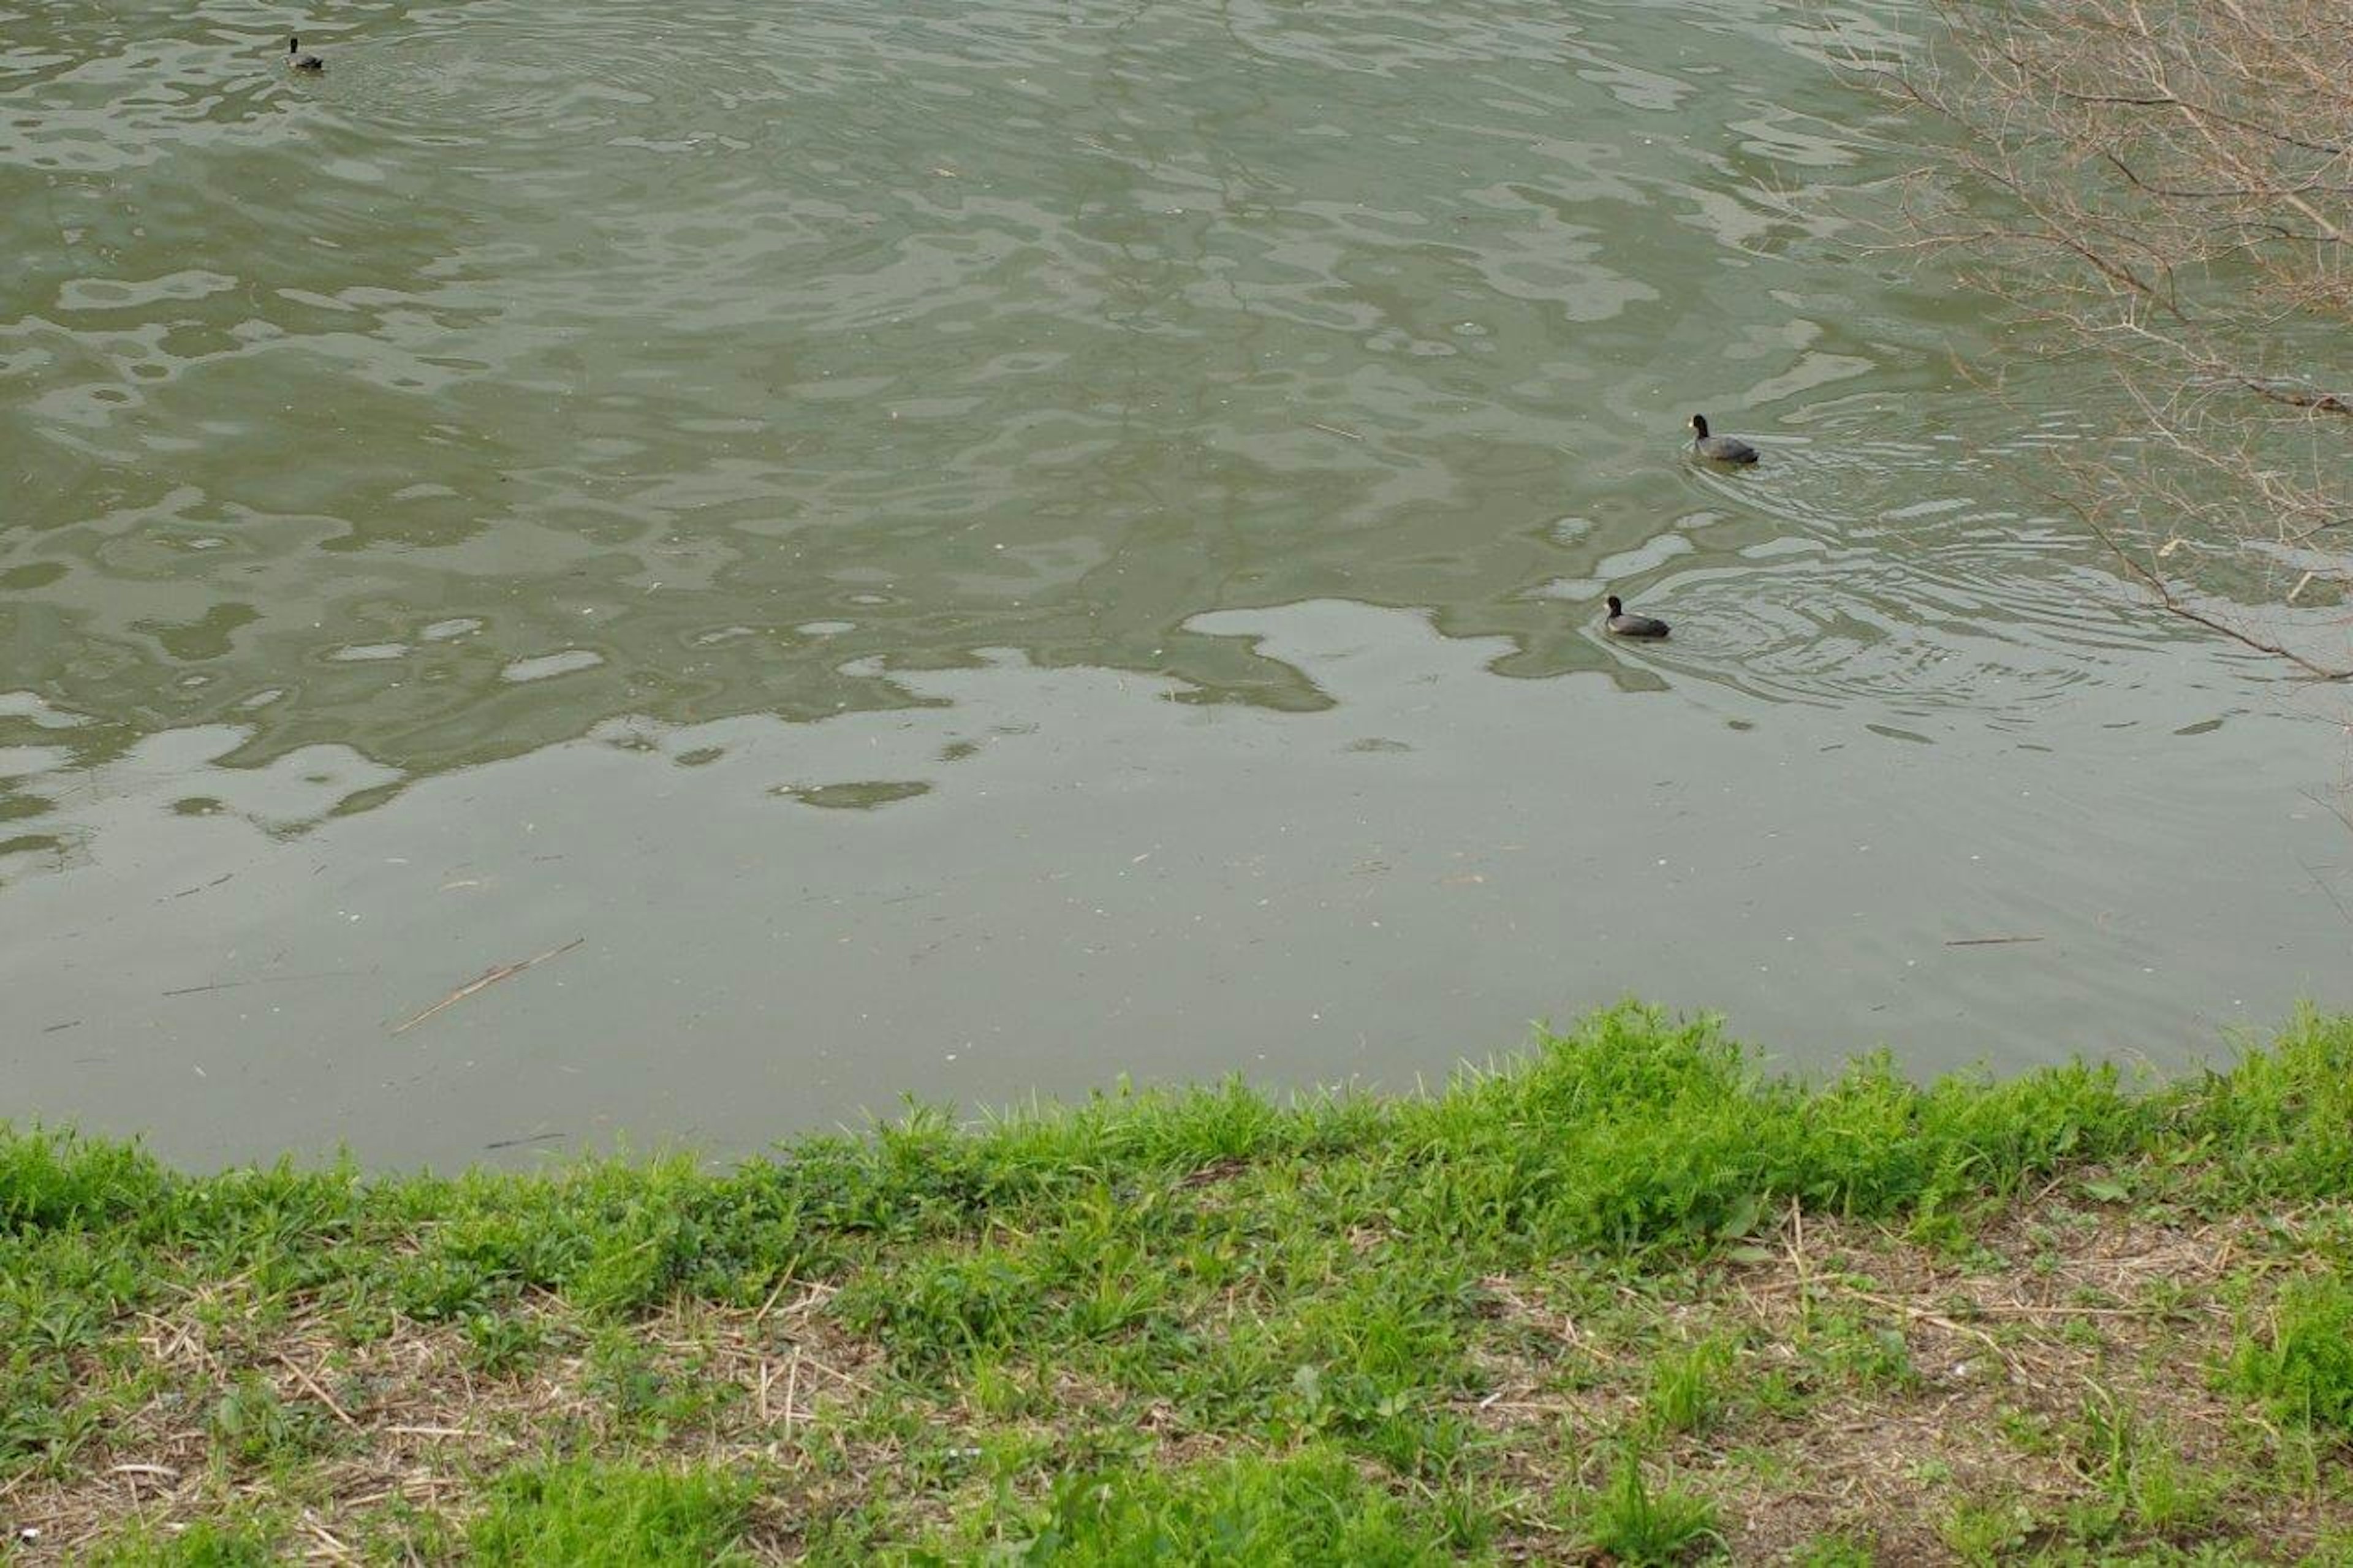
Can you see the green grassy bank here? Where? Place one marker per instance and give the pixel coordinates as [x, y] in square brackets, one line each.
[1626, 1299]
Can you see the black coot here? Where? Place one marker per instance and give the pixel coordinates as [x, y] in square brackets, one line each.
[1621, 625]
[1723, 449]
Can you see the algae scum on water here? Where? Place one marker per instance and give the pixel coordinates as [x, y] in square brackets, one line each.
[1624, 1299]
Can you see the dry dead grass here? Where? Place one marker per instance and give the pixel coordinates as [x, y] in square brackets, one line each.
[407, 1417]
[2061, 1311]
[2091, 1311]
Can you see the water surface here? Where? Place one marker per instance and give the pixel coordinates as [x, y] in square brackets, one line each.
[974, 549]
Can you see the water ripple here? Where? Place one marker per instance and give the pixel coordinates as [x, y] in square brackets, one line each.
[676, 334]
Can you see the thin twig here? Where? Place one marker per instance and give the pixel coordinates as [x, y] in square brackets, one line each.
[307, 1381]
[1925, 1316]
[484, 981]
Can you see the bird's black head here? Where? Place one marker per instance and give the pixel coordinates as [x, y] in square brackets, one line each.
[1616, 608]
[1699, 425]
[293, 44]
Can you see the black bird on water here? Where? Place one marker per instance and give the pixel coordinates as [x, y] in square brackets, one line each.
[1723, 449]
[1621, 625]
[297, 61]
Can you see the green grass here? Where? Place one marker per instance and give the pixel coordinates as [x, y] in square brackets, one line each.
[584, 1514]
[1833, 1552]
[2145, 1481]
[1691, 1385]
[2301, 1363]
[1376, 1328]
[1309, 1508]
[1645, 1525]
[204, 1544]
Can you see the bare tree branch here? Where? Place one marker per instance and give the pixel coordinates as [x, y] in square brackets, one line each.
[2164, 188]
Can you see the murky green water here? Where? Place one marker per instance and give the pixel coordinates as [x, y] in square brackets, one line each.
[969, 549]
